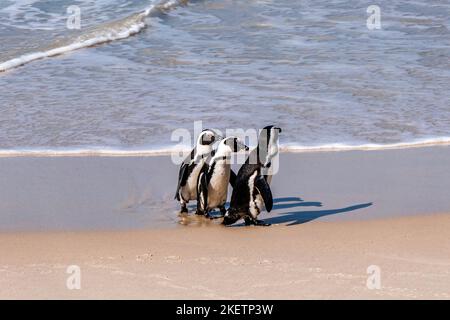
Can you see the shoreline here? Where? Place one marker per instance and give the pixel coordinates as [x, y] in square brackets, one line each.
[167, 151]
[126, 193]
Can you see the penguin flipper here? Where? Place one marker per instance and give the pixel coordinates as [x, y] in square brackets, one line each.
[265, 192]
[182, 178]
[202, 191]
[183, 173]
[233, 178]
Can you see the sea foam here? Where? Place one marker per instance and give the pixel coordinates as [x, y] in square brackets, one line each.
[165, 151]
[107, 32]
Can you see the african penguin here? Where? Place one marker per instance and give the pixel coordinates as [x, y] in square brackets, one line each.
[251, 191]
[215, 176]
[191, 167]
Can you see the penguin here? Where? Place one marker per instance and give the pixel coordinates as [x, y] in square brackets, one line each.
[191, 167]
[251, 191]
[212, 186]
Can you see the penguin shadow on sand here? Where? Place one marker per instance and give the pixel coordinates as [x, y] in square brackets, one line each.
[292, 218]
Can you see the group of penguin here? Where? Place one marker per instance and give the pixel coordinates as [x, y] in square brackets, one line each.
[205, 174]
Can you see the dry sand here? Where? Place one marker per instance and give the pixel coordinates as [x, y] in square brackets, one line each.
[335, 215]
[317, 260]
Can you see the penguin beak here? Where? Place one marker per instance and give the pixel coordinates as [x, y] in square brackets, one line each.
[207, 140]
[279, 129]
[240, 146]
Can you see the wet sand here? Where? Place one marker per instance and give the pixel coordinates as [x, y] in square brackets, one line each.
[122, 193]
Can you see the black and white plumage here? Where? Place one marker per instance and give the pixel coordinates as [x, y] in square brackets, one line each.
[191, 167]
[213, 180]
[251, 191]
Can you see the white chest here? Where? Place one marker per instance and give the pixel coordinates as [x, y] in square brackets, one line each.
[218, 185]
[256, 204]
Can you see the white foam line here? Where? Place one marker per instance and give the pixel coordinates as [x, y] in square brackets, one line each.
[90, 152]
[176, 149]
[432, 142]
[111, 36]
[102, 37]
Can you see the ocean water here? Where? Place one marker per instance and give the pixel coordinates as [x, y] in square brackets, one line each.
[138, 70]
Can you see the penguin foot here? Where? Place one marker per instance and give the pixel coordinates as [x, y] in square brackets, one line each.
[207, 215]
[262, 223]
[248, 221]
[184, 209]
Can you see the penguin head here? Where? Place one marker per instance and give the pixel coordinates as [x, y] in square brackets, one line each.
[231, 144]
[206, 138]
[268, 135]
[268, 143]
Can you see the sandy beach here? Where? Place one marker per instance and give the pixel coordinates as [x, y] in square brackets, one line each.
[95, 95]
[335, 215]
[318, 260]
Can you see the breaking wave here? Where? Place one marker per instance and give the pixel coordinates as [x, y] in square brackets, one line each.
[110, 152]
[107, 32]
